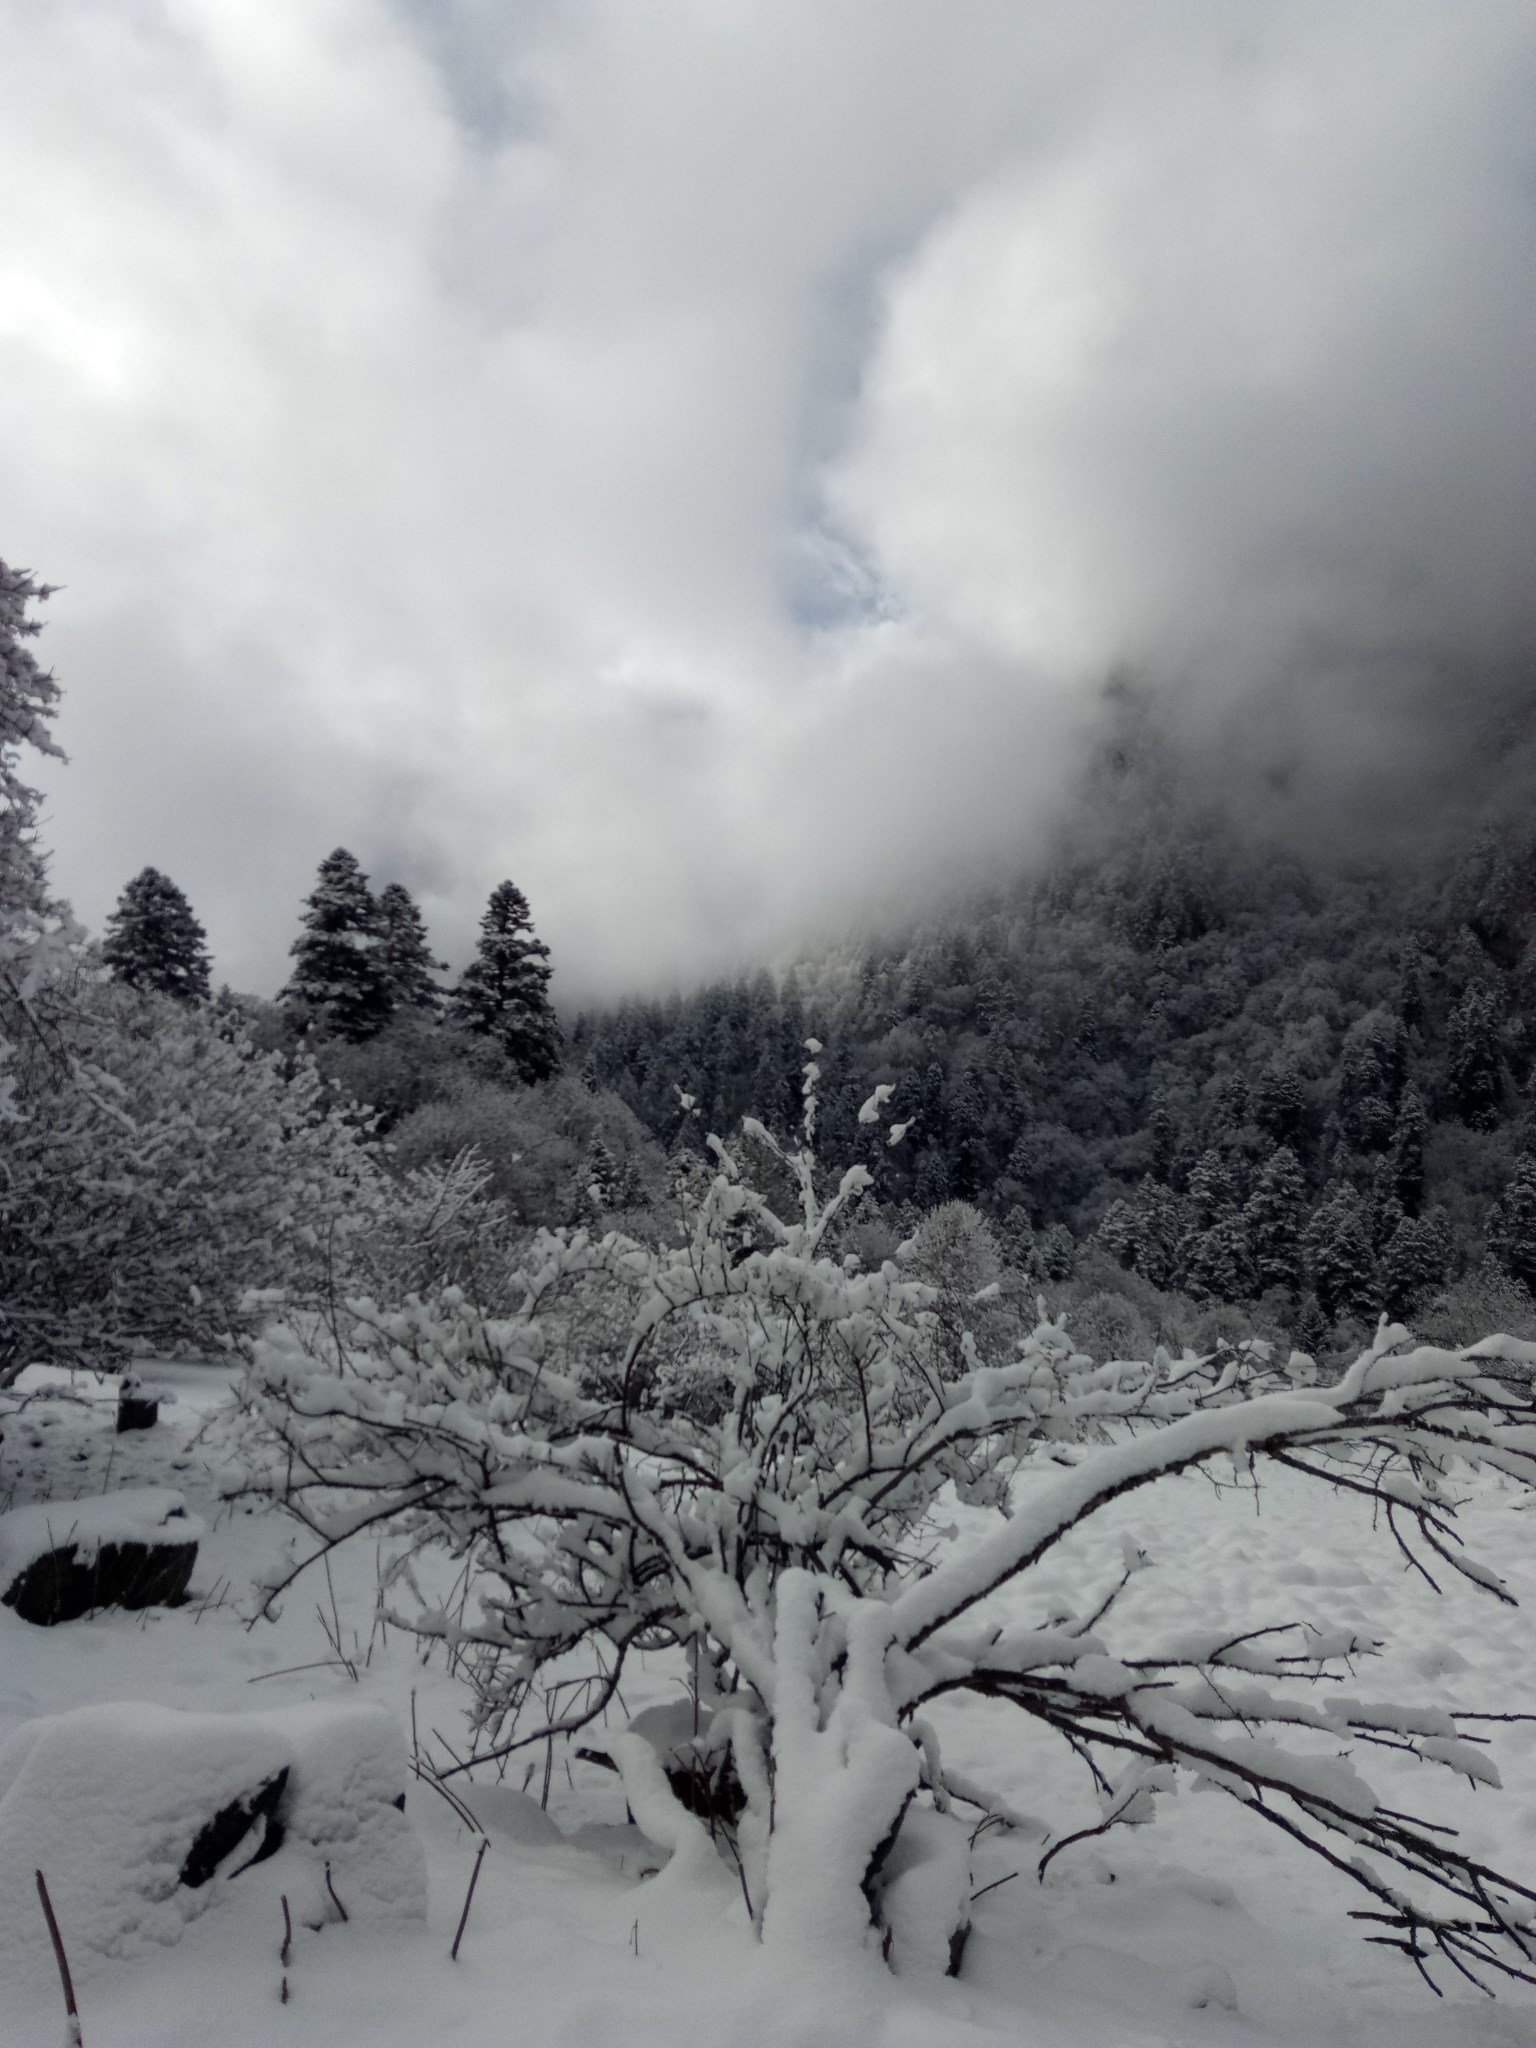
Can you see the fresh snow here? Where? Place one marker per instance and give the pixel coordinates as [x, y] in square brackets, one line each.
[1205, 1928]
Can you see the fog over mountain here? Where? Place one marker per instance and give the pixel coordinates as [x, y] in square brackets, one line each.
[705, 463]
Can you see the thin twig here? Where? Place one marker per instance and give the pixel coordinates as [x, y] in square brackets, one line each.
[72, 2034]
[474, 1879]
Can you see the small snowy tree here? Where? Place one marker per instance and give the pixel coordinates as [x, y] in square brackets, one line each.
[158, 1171]
[787, 1538]
[154, 941]
[338, 975]
[504, 991]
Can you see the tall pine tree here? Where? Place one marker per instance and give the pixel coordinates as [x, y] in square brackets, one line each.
[404, 954]
[154, 941]
[338, 974]
[28, 701]
[504, 991]
[1275, 1213]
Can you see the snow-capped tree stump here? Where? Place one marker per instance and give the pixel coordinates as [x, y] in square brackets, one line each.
[144, 1816]
[135, 1408]
[59, 1561]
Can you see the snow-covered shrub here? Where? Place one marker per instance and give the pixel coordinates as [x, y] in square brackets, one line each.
[155, 1172]
[534, 1139]
[790, 1543]
[441, 1226]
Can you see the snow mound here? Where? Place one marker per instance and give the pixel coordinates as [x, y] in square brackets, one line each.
[925, 1892]
[114, 1805]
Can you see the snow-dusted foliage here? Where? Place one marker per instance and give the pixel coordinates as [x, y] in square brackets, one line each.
[156, 1172]
[787, 1538]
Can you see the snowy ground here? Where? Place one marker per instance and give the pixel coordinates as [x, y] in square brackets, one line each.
[575, 1935]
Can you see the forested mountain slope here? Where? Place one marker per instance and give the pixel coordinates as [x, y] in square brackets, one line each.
[1256, 1059]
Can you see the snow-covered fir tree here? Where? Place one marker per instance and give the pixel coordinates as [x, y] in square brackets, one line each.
[154, 941]
[338, 974]
[504, 991]
[1512, 1225]
[404, 952]
[28, 700]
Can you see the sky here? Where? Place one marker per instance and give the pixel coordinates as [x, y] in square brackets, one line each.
[703, 458]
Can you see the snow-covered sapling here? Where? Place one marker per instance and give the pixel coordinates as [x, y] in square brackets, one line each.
[786, 1538]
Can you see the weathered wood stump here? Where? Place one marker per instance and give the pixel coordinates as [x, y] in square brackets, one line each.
[136, 1548]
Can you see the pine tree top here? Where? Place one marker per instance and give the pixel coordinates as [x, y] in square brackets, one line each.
[338, 973]
[404, 951]
[154, 940]
[504, 991]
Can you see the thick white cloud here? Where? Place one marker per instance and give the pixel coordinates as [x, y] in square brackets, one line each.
[700, 460]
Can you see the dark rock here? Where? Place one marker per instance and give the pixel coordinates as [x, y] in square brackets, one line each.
[136, 1411]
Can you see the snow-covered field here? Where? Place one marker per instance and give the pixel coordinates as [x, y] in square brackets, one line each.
[1204, 1928]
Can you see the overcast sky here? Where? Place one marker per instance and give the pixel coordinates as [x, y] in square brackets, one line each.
[700, 458]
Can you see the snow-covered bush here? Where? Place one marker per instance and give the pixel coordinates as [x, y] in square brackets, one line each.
[789, 1543]
[156, 1171]
[534, 1139]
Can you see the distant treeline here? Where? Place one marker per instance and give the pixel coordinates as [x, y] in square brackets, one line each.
[1251, 1073]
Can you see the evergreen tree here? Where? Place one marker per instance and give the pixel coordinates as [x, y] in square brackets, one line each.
[1118, 1232]
[1212, 1189]
[1370, 1079]
[154, 941]
[1016, 1238]
[1217, 1261]
[1340, 1249]
[1278, 1099]
[404, 954]
[504, 991]
[1273, 1216]
[1163, 1130]
[1405, 1156]
[28, 701]
[597, 1184]
[1162, 1220]
[1414, 1261]
[338, 973]
[1512, 1225]
[1056, 1253]
[1474, 1066]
